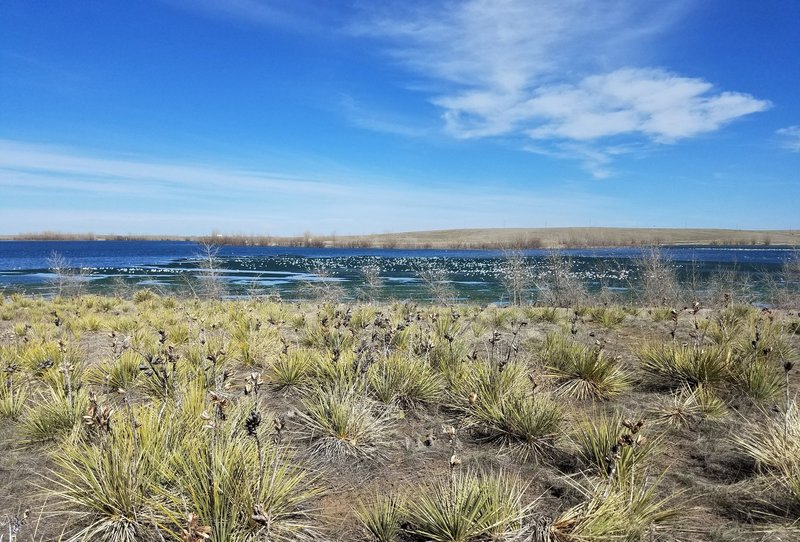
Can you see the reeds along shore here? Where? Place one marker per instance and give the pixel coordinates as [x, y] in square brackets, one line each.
[162, 418]
[489, 239]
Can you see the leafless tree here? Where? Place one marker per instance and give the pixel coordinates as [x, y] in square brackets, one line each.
[212, 285]
[373, 282]
[66, 280]
[558, 286]
[515, 276]
[324, 287]
[437, 281]
[658, 281]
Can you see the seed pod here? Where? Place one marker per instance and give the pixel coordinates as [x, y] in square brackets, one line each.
[252, 422]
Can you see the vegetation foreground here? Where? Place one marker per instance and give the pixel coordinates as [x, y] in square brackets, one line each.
[158, 418]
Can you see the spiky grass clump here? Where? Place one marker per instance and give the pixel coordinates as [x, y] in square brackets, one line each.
[691, 365]
[485, 382]
[328, 336]
[139, 481]
[774, 443]
[689, 406]
[110, 481]
[336, 370]
[381, 517]
[612, 445]
[589, 374]
[789, 479]
[528, 426]
[468, 506]
[39, 358]
[54, 415]
[758, 379]
[220, 479]
[627, 511]
[608, 317]
[543, 314]
[292, 370]
[557, 349]
[344, 423]
[116, 373]
[12, 399]
[404, 380]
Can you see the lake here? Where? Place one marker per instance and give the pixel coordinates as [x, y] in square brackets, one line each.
[474, 275]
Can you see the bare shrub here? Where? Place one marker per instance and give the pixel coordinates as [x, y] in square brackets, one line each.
[67, 281]
[373, 283]
[515, 276]
[784, 291]
[212, 285]
[658, 281]
[437, 281]
[323, 287]
[558, 286]
[729, 287]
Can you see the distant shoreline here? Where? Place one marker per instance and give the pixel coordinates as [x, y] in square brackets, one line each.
[490, 238]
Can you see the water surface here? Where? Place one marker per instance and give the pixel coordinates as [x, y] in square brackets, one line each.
[475, 275]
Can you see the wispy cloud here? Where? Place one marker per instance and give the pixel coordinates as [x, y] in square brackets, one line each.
[21, 163]
[790, 138]
[141, 195]
[555, 71]
[595, 159]
[379, 121]
[298, 15]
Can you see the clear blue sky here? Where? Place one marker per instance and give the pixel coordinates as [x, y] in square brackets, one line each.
[265, 116]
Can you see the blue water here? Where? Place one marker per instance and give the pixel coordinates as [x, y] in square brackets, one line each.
[474, 274]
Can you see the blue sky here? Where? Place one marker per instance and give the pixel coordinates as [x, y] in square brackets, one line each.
[268, 117]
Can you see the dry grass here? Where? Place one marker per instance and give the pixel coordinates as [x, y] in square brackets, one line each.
[498, 238]
[191, 419]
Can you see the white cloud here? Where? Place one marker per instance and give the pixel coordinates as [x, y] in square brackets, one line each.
[791, 137]
[555, 71]
[653, 103]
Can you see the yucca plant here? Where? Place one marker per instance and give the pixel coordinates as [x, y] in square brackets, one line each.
[404, 380]
[758, 379]
[764, 339]
[381, 517]
[689, 406]
[678, 365]
[54, 414]
[118, 373]
[293, 369]
[12, 399]
[343, 423]
[217, 477]
[334, 338]
[527, 425]
[336, 370]
[773, 442]
[612, 445]
[468, 506]
[789, 478]
[588, 374]
[110, 481]
[486, 382]
[543, 314]
[628, 511]
[609, 317]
